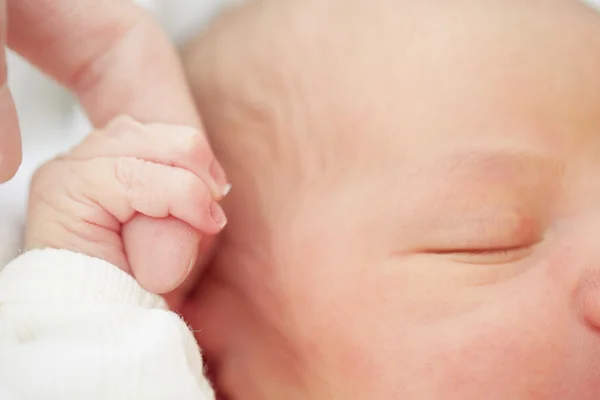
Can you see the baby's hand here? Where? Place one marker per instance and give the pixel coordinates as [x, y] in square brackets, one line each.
[81, 200]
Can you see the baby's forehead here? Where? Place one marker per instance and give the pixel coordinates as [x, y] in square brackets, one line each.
[301, 88]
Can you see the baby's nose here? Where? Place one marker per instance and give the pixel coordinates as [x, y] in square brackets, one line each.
[576, 261]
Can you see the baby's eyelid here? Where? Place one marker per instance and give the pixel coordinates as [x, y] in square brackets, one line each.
[487, 255]
[479, 250]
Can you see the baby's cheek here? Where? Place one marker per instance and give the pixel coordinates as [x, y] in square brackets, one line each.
[369, 337]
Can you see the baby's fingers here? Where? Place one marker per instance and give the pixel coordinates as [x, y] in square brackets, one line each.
[167, 144]
[125, 186]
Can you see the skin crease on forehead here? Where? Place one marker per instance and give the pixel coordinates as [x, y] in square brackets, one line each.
[416, 203]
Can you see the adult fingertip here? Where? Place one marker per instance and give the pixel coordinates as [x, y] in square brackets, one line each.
[9, 165]
[10, 137]
[161, 252]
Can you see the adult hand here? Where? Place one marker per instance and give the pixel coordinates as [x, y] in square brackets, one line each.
[10, 139]
[117, 60]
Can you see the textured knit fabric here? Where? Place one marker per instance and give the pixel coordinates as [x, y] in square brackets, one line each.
[75, 327]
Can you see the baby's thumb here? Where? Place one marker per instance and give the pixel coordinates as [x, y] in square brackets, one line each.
[161, 252]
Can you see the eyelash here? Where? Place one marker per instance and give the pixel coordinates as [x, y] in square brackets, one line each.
[487, 256]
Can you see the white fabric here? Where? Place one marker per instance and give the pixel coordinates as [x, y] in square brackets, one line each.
[75, 327]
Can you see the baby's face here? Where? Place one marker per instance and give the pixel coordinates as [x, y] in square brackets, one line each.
[416, 203]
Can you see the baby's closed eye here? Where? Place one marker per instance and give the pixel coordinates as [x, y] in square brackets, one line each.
[481, 209]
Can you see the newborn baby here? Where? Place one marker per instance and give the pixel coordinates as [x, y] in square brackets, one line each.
[415, 213]
[416, 203]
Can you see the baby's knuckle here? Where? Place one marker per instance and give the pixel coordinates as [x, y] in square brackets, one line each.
[195, 190]
[40, 173]
[181, 182]
[45, 174]
[38, 184]
[197, 147]
[128, 173]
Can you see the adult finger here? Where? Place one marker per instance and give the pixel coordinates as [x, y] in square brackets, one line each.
[10, 139]
[111, 53]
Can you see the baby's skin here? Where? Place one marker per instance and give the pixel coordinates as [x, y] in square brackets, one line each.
[416, 203]
[81, 200]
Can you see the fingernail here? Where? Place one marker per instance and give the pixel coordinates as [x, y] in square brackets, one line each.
[217, 214]
[191, 266]
[218, 174]
[226, 189]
